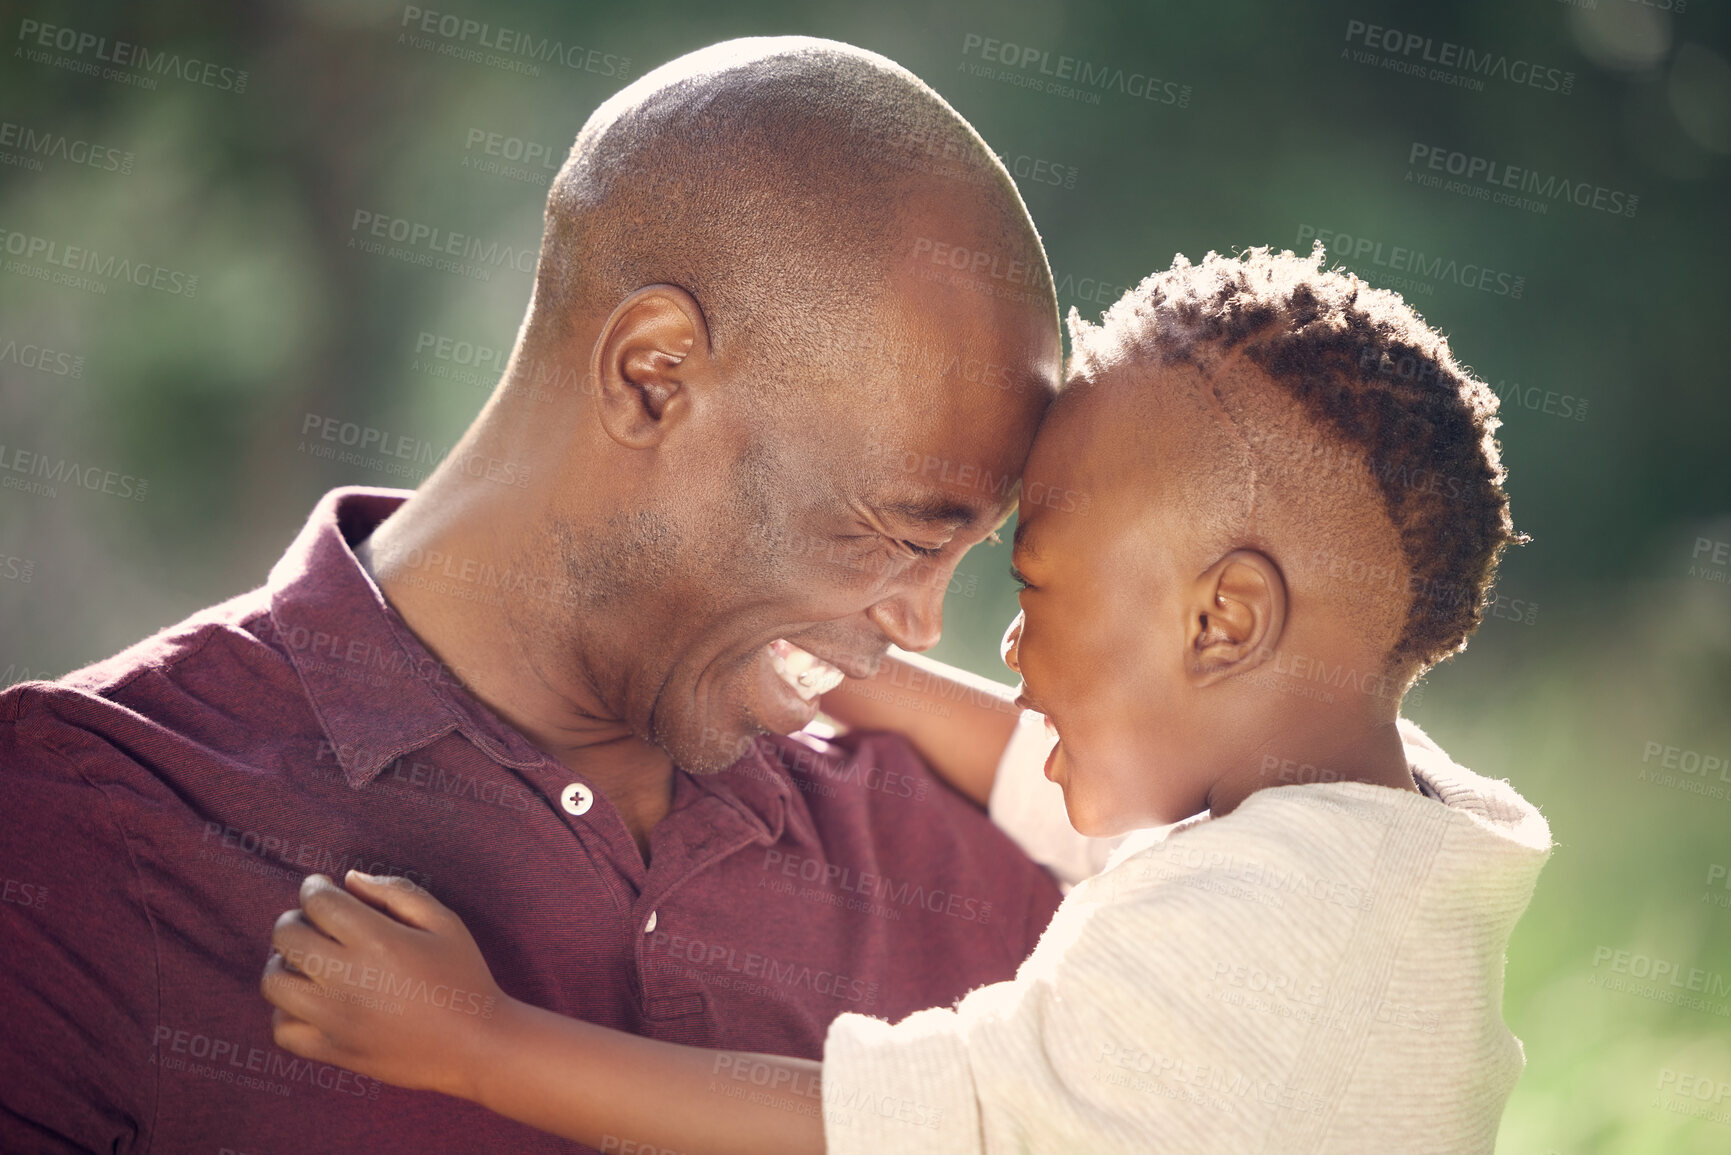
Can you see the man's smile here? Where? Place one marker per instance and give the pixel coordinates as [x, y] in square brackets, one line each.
[808, 675]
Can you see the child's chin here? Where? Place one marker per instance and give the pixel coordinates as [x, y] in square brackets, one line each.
[1090, 819]
[1090, 816]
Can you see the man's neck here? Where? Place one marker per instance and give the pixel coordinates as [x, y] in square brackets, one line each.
[520, 677]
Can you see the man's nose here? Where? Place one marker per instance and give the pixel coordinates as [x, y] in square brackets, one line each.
[914, 618]
[1009, 648]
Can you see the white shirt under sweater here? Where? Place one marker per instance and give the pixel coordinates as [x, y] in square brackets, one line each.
[1319, 971]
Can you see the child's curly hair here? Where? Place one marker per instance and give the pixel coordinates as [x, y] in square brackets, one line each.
[1370, 374]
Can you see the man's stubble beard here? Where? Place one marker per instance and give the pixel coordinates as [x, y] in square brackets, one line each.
[636, 564]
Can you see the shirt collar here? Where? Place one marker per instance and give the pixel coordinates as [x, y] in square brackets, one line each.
[760, 786]
[377, 691]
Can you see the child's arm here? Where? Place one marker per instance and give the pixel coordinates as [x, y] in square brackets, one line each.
[409, 1000]
[958, 721]
[974, 736]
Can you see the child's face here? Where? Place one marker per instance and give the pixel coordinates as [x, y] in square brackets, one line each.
[1104, 546]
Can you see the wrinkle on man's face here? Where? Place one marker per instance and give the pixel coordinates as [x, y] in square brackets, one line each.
[839, 520]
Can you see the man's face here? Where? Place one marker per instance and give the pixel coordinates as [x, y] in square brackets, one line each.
[831, 534]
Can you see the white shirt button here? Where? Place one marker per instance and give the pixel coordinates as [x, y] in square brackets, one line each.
[649, 927]
[576, 798]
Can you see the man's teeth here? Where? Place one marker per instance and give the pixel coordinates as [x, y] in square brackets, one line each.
[809, 676]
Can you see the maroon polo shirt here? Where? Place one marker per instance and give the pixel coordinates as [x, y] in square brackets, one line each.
[162, 807]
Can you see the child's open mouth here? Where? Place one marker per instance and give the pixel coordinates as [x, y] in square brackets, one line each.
[1028, 703]
[1052, 754]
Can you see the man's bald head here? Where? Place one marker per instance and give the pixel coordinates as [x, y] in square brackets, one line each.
[780, 181]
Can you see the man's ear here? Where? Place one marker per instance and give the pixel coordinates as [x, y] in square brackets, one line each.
[1237, 613]
[645, 358]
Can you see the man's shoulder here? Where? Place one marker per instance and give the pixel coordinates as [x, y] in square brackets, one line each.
[227, 643]
[856, 765]
[873, 789]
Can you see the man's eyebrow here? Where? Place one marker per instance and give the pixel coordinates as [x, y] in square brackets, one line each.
[933, 509]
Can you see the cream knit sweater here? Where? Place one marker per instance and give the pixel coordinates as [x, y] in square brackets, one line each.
[1319, 971]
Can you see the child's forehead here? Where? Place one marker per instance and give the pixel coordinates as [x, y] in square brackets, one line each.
[1174, 442]
[1130, 444]
[1143, 409]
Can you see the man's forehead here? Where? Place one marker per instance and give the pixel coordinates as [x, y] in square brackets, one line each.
[944, 329]
[937, 369]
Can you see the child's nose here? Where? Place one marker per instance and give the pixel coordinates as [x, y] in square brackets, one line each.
[1011, 643]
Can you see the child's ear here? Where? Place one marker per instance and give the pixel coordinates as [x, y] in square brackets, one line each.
[1237, 613]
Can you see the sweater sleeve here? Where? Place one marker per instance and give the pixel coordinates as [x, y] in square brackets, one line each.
[1044, 1062]
[1143, 1016]
[1058, 1059]
[907, 1087]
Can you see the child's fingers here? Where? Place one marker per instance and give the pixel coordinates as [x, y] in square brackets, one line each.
[337, 912]
[403, 899]
[291, 994]
[297, 1036]
[309, 953]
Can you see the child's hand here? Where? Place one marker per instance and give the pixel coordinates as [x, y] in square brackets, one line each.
[406, 999]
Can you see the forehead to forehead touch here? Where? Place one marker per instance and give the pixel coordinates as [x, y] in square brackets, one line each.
[779, 180]
[946, 387]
